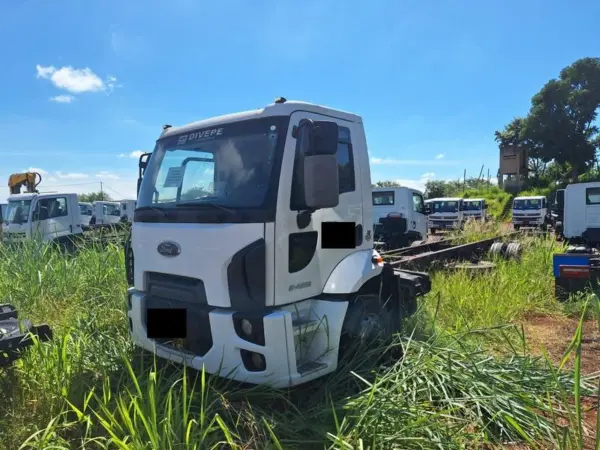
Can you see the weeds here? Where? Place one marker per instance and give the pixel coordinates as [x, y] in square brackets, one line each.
[89, 388]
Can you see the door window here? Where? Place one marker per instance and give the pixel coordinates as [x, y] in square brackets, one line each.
[592, 196]
[51, 208]
[418, 203]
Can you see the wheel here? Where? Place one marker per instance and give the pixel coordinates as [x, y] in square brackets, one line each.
[366, 323]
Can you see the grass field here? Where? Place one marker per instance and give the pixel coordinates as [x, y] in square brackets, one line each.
[468, 379]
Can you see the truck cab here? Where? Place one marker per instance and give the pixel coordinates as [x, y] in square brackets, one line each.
[530, 212]
[106, 213]
[474, 208]
[445, 213]
[50, 217]
[557, 211]
[251, 252]
[2, 211]
[581, 220]
[86, 211]
[127, 209]
[403, 203]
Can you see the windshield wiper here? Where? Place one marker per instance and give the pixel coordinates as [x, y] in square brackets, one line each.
[197, 203]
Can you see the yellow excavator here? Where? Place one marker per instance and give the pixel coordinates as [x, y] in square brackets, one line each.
[29, 180]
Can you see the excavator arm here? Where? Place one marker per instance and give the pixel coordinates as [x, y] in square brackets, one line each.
[30, 180]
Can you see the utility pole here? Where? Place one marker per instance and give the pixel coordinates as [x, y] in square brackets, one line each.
[101, 192]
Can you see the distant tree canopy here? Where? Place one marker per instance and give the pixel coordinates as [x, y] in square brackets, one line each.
[388, 183]
[559, 131]
[95, 197]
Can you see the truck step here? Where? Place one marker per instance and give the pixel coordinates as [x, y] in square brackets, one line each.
[308, 367]
[302, 325]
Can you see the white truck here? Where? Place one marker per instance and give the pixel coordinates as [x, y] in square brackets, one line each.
[530, 212]
[105, 213]
[127, 209]
[445, 213]
[86, 212]
[51, 217]
[474, 208]
[581, 216]
[404, 203]
[251, 251]
[3, 210]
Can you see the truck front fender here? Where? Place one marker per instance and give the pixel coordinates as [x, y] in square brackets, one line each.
[352, 272]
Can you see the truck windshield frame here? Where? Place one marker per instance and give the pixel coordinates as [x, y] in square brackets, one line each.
[526, 204]
[17, 212]
[444, 206]
[228, 173]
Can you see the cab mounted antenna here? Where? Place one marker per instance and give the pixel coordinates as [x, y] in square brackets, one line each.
[280, 100]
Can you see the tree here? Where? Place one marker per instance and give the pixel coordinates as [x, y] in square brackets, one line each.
[560, 124]
[95, 197]
[435, 189]
[388, 183]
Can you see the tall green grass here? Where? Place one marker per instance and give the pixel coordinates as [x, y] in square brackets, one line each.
[88, 388]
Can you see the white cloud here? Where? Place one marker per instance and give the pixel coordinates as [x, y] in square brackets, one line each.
[71, 175]
[51, 179]
[134, 154]
[412, 162]
[38, 170]
[428, 176]
[440, 156]
[75, 81]
[62, 99]
[108, 175]
[418, 184]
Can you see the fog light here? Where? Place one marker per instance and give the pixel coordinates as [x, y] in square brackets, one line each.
[258, 361]
[247, 327]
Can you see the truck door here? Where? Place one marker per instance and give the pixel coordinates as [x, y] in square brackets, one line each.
[419, 217]
[301, 266]
[592, 207]
[51, 217]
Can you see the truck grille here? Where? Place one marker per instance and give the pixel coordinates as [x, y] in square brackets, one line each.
[174, 291]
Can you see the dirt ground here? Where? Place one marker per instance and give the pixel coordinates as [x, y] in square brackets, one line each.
[554, 335]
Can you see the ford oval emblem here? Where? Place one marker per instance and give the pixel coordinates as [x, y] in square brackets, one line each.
[169, 248]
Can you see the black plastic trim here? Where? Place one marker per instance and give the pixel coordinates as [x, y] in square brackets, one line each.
[301, 250]
[246, 277]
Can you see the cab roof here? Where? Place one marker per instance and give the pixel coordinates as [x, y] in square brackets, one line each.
[474, 199]
[445, 199]
[531, 197]
[30, 196]
[273, 109]
[395, 188]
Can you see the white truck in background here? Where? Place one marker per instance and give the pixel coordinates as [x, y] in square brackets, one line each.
[530, 212]
[402, 203]
[105, 213]
[127, 209]
[445, 213]
[51, 217]
[251, 252]
[474, 208]
[3, 207]
[86, 212]
[581, 216]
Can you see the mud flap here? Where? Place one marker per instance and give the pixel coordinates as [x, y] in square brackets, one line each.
[404, 287]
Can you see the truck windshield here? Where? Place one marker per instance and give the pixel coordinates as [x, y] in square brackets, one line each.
[445, 206]
[472, 206]
[231, 166]
[527, 204]
[17, 211]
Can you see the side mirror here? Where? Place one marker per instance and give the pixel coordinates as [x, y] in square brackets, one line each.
[317, 137]
[321, 181]
[427, 210]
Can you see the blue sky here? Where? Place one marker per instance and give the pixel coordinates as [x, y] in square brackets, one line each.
[86, 84]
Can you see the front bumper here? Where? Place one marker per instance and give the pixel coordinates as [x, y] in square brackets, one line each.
[443, 223]
[300, 342]
[528, 221]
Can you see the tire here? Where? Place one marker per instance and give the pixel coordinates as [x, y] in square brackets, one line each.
[366, 322]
